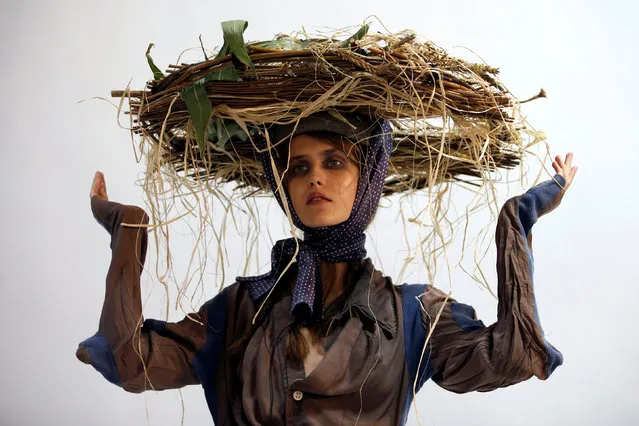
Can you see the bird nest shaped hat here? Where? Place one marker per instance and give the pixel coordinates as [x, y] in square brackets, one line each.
[209, 123]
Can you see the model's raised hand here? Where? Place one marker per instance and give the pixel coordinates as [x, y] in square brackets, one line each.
[98, 187]
[565, 168]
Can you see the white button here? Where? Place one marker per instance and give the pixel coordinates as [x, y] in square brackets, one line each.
[298, 395]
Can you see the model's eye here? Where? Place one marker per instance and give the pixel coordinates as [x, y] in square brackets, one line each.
[334, 163]
[299, 169]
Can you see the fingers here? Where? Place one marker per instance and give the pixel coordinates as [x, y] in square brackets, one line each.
[573, 172]
[565, 168]
[95, 185]
[96, 179]
[564, 164]
[569, 160]
[98, 186]
[561, 165]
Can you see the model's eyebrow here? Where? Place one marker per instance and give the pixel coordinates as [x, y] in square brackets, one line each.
[326, 153]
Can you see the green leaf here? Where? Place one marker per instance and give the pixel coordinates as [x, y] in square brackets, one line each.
[283, 43]
[225, 74]
[357, 36]
[234, 41]
[157, 74]
[223, 51]
[233, 45]
[200, 108]
[221, 131]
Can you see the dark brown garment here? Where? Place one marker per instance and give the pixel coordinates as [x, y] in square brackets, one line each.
[364, 375]
[144, 360]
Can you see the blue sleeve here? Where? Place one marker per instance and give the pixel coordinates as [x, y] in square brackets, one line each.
[420, 369]
[207, 360]
[164, 355]
[465, 355]
[538, 201]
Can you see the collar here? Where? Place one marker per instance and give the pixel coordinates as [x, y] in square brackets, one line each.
[373, 298]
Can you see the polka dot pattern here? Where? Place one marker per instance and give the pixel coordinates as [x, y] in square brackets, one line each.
[339, 243]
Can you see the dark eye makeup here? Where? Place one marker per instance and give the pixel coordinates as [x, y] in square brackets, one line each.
[298, 167]
[301, 166]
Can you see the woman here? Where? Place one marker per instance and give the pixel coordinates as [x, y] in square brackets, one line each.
[324, 338]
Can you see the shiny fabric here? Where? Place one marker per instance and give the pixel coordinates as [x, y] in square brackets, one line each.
[362, 376]
[365, 374]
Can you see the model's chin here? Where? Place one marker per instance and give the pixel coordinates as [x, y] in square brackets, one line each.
[321, 219]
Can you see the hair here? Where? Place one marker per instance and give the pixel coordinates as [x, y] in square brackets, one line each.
[297, 346]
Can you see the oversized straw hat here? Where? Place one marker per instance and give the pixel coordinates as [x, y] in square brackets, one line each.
[452, 120]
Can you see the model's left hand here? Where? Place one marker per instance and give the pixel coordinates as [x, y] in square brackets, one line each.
[565, 168]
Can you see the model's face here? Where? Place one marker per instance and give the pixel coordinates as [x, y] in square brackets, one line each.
[321, 181]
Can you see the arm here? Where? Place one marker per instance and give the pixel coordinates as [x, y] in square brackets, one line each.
[464, 354]
[154, 354]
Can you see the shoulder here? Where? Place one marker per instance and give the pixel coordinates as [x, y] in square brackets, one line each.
[422, 294]
[232, 306]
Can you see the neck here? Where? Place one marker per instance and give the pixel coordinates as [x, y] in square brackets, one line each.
[334, 277]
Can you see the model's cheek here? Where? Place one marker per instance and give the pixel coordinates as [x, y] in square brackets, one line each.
[296, 198]
[349, 192]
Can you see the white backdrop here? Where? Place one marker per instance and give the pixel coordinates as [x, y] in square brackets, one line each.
[54, 256]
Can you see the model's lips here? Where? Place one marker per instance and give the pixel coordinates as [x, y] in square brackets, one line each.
[317, 198]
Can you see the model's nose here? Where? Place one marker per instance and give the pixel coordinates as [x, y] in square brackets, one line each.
[316, 177]
[315, 181]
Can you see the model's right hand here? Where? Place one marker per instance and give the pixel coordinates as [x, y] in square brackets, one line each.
[98, 187]
[565, 169]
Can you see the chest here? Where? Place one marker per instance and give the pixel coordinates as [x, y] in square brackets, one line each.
[356, 374]
[316, 350]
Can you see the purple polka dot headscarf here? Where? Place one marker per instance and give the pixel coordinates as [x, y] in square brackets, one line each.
[338, 243]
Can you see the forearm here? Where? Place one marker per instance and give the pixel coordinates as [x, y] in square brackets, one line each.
[469, 356]
[119, 337]
[518, 320]
[121, 316]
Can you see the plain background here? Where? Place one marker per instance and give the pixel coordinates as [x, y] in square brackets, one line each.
[54, 256]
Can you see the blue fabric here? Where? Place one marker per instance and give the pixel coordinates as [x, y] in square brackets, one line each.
[206, 361]
[555, 358]
[102, 357]
[534, 203]
[338, 243]
[414, 338]
[538, 201]
[158, 326]
[465, 316]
